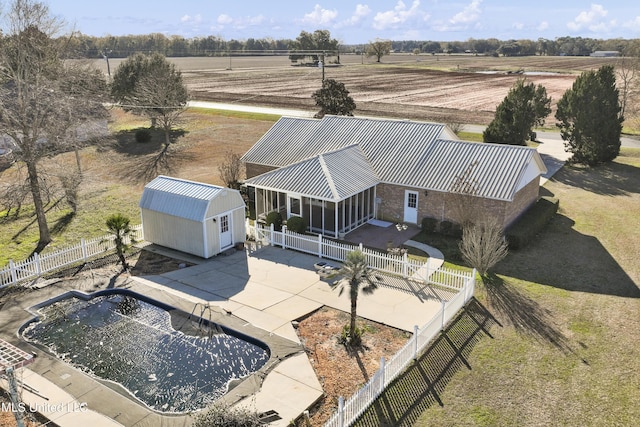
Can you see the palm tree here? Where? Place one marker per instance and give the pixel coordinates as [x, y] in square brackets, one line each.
[354, 273]
[118, 226]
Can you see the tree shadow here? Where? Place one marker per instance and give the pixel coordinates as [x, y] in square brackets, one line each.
[62, 223]
[421, 384]
[125, 141]
[612, 179]
[526, 315]
[563, 258]
[144, 168]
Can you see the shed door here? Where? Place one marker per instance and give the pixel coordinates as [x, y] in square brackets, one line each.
[226, 238]
[411, 206]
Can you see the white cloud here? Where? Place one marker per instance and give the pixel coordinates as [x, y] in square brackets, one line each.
[518, 25]
[224, 19]
[398, 16]
[240, 23]
[188, 19]
[471, 13]
[633, 25]
[361, 12]
[592, 19]
[320, 16]
[544, 25]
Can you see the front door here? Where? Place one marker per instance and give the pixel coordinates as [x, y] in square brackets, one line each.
[226, 239]
[411, 206]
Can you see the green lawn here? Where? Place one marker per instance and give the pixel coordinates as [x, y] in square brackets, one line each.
[561, 323]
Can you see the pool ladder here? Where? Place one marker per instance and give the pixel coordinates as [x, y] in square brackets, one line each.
[206, 325]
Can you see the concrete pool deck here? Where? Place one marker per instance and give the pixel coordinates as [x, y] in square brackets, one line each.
[267, 288]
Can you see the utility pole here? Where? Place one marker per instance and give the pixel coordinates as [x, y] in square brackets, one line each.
[105, 54]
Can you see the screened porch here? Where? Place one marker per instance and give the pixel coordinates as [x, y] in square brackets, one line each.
[328, 217]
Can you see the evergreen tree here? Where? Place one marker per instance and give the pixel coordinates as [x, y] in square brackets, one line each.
[590, 119]
[333, 98]
[524, 107]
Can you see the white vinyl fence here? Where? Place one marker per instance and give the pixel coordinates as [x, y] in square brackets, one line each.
[322, 247]
[37, 265]
[463, 283]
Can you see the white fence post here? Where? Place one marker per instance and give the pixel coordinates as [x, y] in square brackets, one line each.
[272, 229]
[36, 259]
[415, 341]
[83, 244]
[444, 305]
[360, 247]
[320, 245]
[405, 261]
[14, 274]
[341, 411]
[284, 237]
[382, 376]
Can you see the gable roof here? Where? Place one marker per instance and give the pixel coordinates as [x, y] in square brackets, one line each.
[291, 140]
[327, 176]
[180, 197]
[408, 153]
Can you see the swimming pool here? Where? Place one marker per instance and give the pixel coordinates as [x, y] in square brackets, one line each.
[167, 359]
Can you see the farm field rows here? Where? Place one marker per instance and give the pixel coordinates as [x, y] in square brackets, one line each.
[444, 88]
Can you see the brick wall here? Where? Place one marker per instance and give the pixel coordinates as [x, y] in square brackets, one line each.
[444, 206]
[522, 201]
[253, 169]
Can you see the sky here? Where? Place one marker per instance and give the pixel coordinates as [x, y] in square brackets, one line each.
[354, 22]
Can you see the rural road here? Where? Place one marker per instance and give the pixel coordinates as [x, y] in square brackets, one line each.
[552, 137]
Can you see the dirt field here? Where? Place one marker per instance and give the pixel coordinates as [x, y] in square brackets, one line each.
[444, 88]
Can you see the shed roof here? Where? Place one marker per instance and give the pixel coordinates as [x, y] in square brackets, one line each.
[180, 197]
[409, 153]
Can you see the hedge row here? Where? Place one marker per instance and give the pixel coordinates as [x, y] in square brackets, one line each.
[524, 230]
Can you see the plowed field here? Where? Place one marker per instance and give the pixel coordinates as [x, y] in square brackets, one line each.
[464, 89]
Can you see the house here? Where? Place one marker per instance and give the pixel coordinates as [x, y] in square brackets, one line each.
[192, 217]
[340, 172]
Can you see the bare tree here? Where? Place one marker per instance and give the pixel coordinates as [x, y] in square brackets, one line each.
[627, 72]
[231, 170]
[483, 245]
[153, 87]
[463, 195]
[42, 98]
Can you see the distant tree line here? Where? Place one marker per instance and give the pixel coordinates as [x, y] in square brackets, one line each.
[175, 46]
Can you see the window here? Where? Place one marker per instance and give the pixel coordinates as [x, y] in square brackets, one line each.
[294, 206]
[412, 200]
[224, 224]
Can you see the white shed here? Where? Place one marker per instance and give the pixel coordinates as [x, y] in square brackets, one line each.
[192, 217]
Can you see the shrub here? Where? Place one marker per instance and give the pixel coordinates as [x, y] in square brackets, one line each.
[276, 219]
[524, 230]
[429, 225]
[449, 228]
[346, 338]
[296, 224]
[143, 135]
[224, 416]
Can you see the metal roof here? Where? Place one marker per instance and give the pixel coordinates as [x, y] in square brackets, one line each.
[327, 176]
[415, 154]
[179, 197]
[496, 170]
